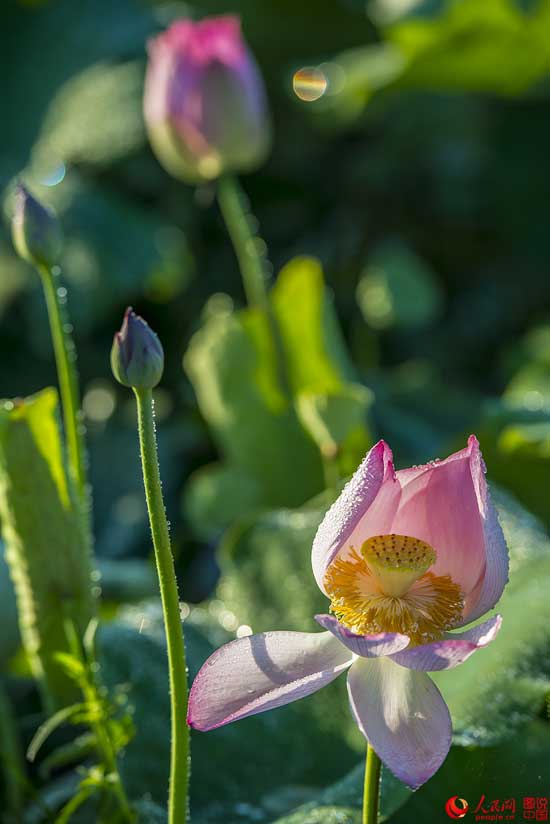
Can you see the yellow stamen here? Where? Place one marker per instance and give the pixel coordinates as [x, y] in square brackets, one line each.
[387, 588]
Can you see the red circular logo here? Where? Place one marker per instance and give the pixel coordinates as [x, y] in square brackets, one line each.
[456, 807]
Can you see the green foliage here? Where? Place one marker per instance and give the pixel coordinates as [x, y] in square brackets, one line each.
[398, 288]
[337, 424]
[226, 760]
[231, 364]
[11, 760]
[454, 177]
[110, 729]
[515, 431]
[512, 769]
[341, 803]
[494, 47]
[110, 241]
[94, 119]
[10, 638]
[46, 545]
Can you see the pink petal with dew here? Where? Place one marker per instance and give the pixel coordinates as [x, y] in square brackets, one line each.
[368, 646]
[403, 715]
[453, 650]
[353, 505]
[494, 578]
[445, 503]
[439, 505]
[261, 672]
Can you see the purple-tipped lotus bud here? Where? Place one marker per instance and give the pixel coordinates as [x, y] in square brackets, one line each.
[205, 105]
[137, 357]
[35, 230]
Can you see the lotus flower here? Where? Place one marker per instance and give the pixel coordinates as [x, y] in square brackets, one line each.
[406, 558]
[205, 106]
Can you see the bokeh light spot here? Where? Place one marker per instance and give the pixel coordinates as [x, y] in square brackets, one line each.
[99, 402]
[309, 84]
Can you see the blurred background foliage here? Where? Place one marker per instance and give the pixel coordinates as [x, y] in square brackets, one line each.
[407, 214]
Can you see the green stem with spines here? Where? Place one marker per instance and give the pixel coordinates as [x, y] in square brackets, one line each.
[65, 357]
[245, 243]
[371, 787]
[179, 770]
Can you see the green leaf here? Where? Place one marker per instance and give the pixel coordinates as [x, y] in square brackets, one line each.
[10, 639]
[338, 423]
[398, 288]
[96, 118]
[266, 579]
[492, 47]
[45, 730]
[516, 445]
[511, 770]
[72, 666]
[74, 752]
[150, 813]
[315, 353]
[112, 241]
[47, 548]
[84, 792]
[214, 494]
[232, 367]
[12, 760]
[228, 774]
[342, 801]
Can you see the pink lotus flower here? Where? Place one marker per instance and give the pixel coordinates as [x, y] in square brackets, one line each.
[404, 557]
[204, 104]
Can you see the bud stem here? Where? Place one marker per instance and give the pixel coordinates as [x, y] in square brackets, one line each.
[237, 221]
[179, 769]
[65, 357]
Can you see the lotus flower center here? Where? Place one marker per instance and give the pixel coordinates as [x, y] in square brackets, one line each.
[387, 587]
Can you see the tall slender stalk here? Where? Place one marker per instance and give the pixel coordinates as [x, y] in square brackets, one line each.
[371, 788]
[65, 357]
[179, 771]
[237, 219]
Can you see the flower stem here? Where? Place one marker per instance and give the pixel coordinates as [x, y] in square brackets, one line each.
[65, 357]
[237, 218]
[179, 769]
[371, 787]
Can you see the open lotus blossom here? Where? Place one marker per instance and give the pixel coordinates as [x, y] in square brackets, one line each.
[404, 557]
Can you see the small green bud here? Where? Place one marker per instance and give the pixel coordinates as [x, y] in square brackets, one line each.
[36, 231]
[137, 357]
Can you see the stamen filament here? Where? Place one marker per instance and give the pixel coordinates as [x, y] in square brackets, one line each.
[387, 588]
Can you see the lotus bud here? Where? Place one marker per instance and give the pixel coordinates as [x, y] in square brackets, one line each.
[205, 105]
[36, 231]
[137, 357]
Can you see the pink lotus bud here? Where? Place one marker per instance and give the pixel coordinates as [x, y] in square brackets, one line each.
[205, 105]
